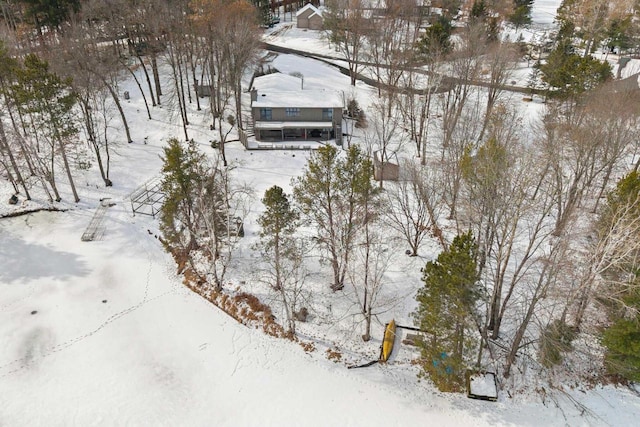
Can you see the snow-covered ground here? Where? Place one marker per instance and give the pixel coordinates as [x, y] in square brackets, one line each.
[104, 333]
[543, 12]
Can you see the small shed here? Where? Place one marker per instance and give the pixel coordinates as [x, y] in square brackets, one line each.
[309, 17]
[385, 170]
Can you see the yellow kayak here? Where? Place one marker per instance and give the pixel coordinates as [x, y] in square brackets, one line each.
[388, 340]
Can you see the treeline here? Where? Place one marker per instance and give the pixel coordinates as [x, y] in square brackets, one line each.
[63, 63]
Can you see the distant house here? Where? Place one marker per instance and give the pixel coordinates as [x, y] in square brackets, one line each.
[283, 111]
[309, 17]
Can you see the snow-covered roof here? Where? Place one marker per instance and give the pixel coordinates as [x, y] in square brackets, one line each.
[310, 7]
[277, 82]
[299, 99]
[279, 90]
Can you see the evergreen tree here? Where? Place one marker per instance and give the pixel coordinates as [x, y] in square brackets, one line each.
[436, 38]
[478, 10]
[50, 13]
[182, 179]
[446, 310]
[279, 223]
[570, 74]
[49, 100]
[622, 338]
[264, 11]
[521, 14]
[619, 34]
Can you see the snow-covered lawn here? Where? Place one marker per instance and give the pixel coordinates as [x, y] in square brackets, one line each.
[115, 339]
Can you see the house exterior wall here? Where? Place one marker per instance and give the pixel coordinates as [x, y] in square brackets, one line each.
[306, 115]
[315, 22]
[303, 18]
[302, 22]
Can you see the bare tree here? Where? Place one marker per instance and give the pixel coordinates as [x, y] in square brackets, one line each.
[220, 210]
[241, 48]
[97, 113]
[460, 111]
[6, 149]
[384, 133]
[334, 194]
[549, 271]
[415, 105]
[390, 46]
[346, 26]
[498, 63]
[584, 144]
[613, 247]
[371, 259]
[414, 206]
[506, 200]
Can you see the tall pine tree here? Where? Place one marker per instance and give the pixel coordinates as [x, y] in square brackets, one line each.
[182, 179]
[446, 310]
[279, 223]
[621, 338]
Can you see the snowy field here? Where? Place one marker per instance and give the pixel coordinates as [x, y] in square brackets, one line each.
[104, 333]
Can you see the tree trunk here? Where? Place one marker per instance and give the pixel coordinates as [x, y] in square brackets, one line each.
[12, 180]
[93, 141]
[146, 104]
[14, 165]
[146, 74]
[238, 99]
[68, 170]
[195, 88]
[181, 94]
[114, 95]
[156, 77]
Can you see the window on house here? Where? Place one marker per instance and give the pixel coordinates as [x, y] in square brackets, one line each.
[265, 114]
[327, 114]
[292, 112]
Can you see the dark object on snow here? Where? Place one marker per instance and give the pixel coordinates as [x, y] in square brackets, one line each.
[301, 315]
[411, 339]
[407, 252]
[13, 200]
[366, 365]
[34, 312]
[126, 95]
[482, 385]
[104, 301]
[236, 227]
